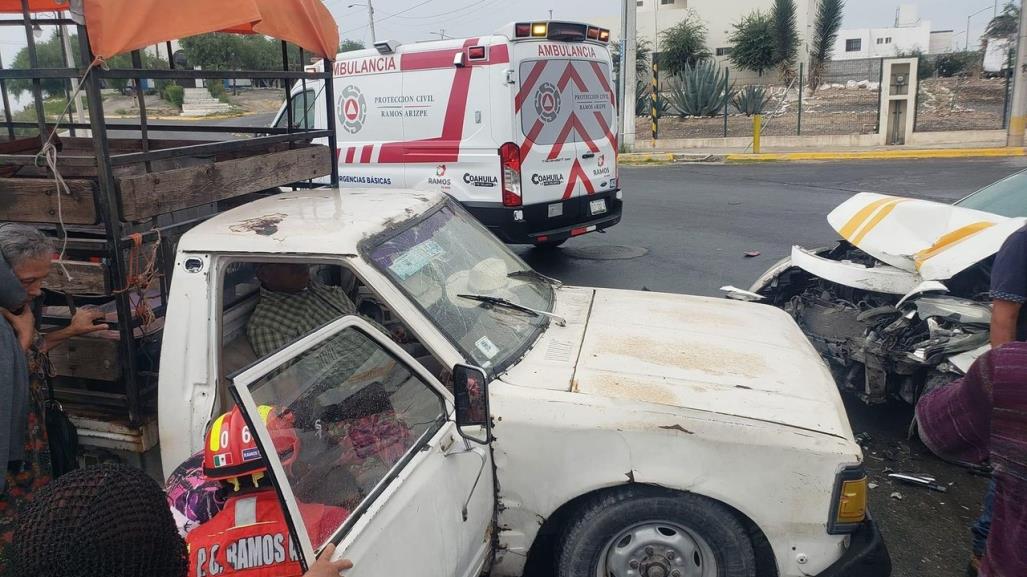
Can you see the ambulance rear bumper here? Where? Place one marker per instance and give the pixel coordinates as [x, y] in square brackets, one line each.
[572, 217]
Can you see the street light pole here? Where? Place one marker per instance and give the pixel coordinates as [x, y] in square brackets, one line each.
[629, 81]
[370, 17]
[1018, 117]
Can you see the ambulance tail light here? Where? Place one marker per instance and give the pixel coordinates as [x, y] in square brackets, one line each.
[604, 35]
[510, 159]
[593, 33]
[522, 30]
[540, 29]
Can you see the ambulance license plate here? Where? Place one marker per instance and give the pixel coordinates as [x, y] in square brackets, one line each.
[555, 210]
[597, 206]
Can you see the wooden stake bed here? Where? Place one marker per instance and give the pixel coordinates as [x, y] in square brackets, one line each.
[27, 191]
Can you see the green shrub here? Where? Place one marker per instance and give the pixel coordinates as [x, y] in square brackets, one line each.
[174, 94]
[216, 89]
[956, 63]
[752, 100]
[700, 90]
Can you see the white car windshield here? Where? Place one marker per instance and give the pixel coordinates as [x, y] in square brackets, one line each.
[445, 258]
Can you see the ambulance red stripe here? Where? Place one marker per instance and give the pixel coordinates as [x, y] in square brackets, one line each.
[529, 84]
[604, 82]
[445, 148]
[350, 153]
[365, 154]
[569, 74]
[529, 141]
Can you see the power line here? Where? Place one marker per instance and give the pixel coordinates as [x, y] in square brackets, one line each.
[428, 17]
[418, 5]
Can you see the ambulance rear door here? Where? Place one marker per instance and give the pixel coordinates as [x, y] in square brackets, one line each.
[566, 118]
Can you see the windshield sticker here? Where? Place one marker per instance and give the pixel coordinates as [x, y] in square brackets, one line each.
[415, 259]
[487, 347]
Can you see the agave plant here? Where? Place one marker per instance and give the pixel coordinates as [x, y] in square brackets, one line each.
[644, 102]
[752, 100]
[700, 90]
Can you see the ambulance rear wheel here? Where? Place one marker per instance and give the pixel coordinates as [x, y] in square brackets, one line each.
[550, 244]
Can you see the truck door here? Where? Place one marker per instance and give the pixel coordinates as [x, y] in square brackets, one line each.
[381, 470]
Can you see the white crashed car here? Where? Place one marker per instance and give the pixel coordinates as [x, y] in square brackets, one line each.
[899, 305]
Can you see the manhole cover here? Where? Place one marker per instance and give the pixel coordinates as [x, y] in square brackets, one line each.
[606, 252]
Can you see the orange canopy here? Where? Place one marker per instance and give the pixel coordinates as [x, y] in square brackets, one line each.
[119, 26]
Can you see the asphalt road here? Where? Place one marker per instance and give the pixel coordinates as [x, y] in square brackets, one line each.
[251, 120]
[686, 229]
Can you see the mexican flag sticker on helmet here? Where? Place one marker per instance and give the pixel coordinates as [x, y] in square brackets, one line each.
[222, 460]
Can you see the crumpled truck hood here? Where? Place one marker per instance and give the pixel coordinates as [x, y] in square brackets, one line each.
[712, 355]
[932, 240]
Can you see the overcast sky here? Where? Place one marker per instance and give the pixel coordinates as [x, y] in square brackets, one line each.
[413, 20]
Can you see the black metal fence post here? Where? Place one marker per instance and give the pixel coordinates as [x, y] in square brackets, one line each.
[727, 105]
[802, 77]
[1008, 73]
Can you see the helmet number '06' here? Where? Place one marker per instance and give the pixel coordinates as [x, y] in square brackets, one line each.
[246, 437]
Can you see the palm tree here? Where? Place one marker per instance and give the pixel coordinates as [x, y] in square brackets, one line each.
[786, 38]
[825, 31]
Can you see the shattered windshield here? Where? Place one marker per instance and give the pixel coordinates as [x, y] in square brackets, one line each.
[445, 256]
[1005, 197]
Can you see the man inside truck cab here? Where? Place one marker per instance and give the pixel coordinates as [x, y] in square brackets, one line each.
[292, 303]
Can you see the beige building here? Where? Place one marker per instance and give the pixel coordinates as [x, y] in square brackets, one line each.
[655, 16]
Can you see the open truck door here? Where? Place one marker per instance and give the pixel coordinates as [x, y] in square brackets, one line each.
[377, 439]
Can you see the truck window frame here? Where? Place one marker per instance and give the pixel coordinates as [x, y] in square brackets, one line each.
[221, 262]
[309, 112]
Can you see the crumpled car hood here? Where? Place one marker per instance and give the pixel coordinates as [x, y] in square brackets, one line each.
[705, 354]
[933, 240]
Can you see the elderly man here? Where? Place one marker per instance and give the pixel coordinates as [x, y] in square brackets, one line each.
[292, 304]
[26, 467]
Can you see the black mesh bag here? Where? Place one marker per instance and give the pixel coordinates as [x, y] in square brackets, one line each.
[105, 521]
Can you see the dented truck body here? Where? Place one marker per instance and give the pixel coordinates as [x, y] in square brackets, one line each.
[609, 391]
[901, 304]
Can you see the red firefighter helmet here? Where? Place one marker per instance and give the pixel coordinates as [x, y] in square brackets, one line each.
[231, 451]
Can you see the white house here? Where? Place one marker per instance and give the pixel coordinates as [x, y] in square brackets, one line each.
[909, 34]
[720, 16]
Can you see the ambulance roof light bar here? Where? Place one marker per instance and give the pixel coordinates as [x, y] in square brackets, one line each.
[561, 31]
[387, 47]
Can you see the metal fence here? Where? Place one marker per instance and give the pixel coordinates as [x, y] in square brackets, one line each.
[965, 102]
[846, 101]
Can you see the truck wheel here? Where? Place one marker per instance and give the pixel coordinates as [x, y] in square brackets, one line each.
[648, 532]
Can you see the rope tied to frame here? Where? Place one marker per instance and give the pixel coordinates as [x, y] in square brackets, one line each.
[47, 156]
[140, 278]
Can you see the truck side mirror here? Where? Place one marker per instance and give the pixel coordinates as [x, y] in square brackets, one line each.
[470, 387]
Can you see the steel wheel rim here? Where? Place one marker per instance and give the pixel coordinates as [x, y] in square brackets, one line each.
[657, 549]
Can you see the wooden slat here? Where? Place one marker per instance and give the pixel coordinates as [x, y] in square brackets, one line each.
[88, 358]
[34, 200]
[151, 194]
[87, 278]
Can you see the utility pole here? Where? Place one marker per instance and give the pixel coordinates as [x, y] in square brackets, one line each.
[69, 62]
[629, 80]
[1018, 118]
[370, 18]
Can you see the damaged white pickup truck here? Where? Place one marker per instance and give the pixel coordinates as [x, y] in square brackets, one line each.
[901, 304]
[502, 422]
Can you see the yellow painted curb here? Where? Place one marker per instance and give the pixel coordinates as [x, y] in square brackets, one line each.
[880, 154]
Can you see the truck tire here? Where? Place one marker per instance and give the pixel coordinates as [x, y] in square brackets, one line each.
[651, 532]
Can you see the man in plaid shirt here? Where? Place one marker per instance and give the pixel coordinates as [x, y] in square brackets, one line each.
[293, 304]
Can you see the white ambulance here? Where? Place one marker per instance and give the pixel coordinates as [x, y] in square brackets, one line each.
[519, 127]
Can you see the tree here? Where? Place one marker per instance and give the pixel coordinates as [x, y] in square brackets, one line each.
[753, 43]
[683, 44]
[351, 46]
[643, 48]
[825, 32]
[786, 37]
[49, 55]
[1005, 25]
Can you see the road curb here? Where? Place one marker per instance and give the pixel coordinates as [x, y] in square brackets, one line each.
[643, 158]
[880, 155]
